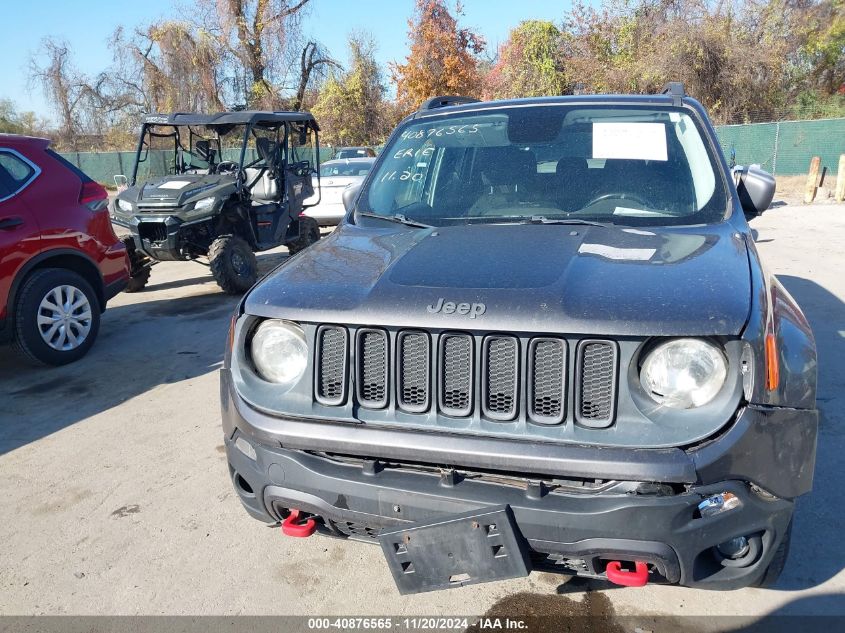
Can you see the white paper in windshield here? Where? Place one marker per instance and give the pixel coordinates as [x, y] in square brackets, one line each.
[633, 141]
[175, 184]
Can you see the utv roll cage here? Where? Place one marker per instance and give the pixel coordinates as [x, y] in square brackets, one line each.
[221, 123]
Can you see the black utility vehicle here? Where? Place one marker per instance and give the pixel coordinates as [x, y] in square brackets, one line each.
[225, 186]
[542, 338]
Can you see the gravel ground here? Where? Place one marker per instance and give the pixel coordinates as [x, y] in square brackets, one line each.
[116, 498]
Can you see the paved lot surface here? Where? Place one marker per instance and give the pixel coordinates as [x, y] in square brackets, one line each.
[116, 500]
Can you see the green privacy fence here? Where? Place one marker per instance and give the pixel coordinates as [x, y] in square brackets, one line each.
[103, 166]
[785, 148]
[782, 148]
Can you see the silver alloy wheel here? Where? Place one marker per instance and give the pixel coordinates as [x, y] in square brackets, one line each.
[64, 318]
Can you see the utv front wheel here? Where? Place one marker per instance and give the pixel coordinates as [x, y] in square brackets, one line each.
[309, 233]
[139, 268]
[233, 264]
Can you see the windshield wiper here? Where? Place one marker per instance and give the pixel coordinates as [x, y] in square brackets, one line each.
[540, 219]
[398, 218]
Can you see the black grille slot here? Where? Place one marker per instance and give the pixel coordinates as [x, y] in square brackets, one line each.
[372, 368]
[330, 377]
[456, 372]
[547, 380]
[358, 530]
[153, 231]
[412, 375]
[597, 369]
[501, 375]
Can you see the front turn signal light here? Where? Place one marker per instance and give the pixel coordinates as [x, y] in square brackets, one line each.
[772, 363]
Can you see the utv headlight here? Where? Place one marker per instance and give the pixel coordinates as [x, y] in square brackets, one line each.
[684, 373]
[205, 204]
[201, 207]
[279, 351]
[125, 206]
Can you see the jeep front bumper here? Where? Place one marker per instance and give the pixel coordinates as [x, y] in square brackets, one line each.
[766, 459]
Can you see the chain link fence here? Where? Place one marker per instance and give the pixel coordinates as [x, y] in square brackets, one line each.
[784, 147]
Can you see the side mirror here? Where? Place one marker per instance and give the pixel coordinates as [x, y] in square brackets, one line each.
[121, 182]
[756, 189]
[349, 195]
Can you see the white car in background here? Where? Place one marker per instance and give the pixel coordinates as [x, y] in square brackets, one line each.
[335, 176]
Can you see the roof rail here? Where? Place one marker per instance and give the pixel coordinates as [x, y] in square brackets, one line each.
[676, 90]
[442, 102]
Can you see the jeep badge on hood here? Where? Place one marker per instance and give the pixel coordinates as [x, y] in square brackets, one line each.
[449, 307]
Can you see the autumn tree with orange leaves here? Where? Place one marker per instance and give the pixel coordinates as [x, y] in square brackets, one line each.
[442, 59]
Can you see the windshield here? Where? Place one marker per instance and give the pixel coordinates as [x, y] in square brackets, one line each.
[345, 169]
[622, 165]
[168, 150]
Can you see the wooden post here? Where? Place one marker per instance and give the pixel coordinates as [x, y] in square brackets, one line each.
[840, 180]
[812, 180]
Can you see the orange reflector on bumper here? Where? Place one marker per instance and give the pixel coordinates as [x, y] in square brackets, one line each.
[772, 366]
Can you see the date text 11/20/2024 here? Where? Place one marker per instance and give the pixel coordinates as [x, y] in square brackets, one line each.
[417, 623]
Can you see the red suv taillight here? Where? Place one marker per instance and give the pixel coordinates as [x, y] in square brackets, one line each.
[94, 196]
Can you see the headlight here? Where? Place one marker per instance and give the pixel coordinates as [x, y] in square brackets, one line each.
[204, 204]
[201, 207]
[279, 351]
[684, 373]
[124, 206]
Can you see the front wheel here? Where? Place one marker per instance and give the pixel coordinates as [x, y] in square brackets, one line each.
[309, 233]
[776, 566]
[57, 317]
[233, 264]
[139, 267]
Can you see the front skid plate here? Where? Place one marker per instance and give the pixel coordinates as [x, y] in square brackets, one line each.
[460, 550]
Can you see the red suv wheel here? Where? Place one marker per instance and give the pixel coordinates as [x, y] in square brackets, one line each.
[57, 317]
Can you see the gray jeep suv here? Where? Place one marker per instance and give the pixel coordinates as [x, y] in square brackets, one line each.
[542, 338]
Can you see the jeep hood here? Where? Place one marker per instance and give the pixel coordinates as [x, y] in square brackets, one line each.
[533, 278]
[176, 190]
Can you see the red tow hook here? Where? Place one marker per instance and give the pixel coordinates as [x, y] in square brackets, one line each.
[636, 578]
[293, 525]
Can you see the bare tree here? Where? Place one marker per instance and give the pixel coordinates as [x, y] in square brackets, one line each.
[261, 45]
[314, 61]
[66, 89]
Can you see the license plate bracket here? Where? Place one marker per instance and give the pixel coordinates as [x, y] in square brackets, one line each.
[457, 550]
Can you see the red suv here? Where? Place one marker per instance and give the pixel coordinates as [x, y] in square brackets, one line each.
[60, 260]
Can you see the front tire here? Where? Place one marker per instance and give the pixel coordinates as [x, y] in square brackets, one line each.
[57, 317]
[233, 264]
[776, 566]
[139, 269]
[309, 233]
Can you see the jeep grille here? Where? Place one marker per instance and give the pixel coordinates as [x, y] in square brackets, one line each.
[547, 358]
[597, 366]
[496, 377]
[414, 371]
[455, 369]
[331, 365]
[371, 375]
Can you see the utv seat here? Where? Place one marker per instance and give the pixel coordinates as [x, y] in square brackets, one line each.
[262, 183]
[266, 188]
